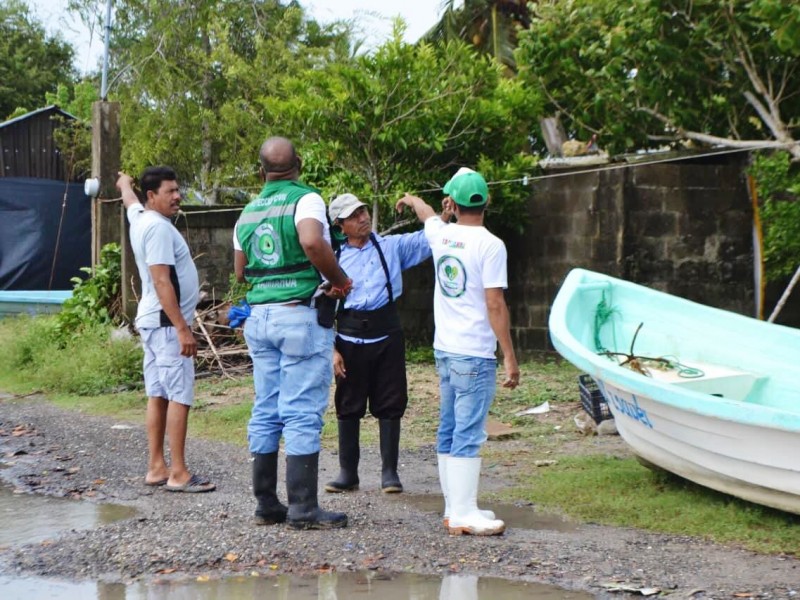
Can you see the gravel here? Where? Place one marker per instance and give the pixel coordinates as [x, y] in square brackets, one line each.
[52, 451]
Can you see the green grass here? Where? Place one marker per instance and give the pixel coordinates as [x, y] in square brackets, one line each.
[227, 424]
[620, 491]
[90, 362]
[587, 481]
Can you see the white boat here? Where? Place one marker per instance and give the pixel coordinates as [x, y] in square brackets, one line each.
[19, 302]
[707, 394]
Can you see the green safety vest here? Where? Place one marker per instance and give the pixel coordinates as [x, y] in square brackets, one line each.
[277, 267]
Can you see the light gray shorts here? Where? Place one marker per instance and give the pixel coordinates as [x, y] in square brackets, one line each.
[167, 374]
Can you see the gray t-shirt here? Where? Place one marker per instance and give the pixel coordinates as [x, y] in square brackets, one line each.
[156, 241]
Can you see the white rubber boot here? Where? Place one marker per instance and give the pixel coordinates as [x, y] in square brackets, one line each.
[463, 476]
[443, 458]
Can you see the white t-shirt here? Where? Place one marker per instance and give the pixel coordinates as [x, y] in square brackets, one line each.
[467, 260]
[310, 206]
[156, 241]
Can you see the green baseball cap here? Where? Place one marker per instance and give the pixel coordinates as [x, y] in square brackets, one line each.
[467, 188]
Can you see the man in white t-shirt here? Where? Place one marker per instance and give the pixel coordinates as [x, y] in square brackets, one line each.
[281, 247]
[166, 308]
[471, 317]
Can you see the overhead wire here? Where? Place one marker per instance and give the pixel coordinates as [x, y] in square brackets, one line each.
[526, 180]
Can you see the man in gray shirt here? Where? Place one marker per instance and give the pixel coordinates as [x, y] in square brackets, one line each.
[170, 290]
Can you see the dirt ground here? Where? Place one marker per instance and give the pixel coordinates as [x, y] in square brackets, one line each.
[48, 450]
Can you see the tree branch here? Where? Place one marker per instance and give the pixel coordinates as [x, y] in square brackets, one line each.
[792, 146]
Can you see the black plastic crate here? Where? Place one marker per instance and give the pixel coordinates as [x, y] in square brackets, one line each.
[592, 399]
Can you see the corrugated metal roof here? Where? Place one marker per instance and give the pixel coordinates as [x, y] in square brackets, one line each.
[52, 108]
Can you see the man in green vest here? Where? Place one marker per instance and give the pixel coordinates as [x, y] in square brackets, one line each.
[281, 247]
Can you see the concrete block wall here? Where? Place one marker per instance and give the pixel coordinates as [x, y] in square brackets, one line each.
[681, 227]
[209, 232]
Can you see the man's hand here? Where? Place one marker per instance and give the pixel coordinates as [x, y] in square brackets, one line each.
[422, 210]
[448, 209]
[124, 181]
[407, 200]
[338, 365]
[188, 342]
[125, 185]
[512, 372]
[334, 292]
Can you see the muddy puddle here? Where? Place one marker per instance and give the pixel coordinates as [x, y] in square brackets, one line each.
[329, 586]
[31, 518]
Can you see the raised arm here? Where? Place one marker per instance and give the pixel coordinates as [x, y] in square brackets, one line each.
[125, 185]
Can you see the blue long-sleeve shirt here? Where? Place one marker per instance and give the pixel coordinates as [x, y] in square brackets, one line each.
[363, 266]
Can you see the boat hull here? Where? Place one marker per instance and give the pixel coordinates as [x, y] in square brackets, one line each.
[32, 302]
[734, 429]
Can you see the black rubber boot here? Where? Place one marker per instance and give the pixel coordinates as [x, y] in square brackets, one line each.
[301, 487]
[390, 448]
[265, 482]
[349, 455]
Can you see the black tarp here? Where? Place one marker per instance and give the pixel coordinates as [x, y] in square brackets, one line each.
[30, 214]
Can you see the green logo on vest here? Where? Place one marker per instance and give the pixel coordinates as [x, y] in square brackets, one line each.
[266, 245]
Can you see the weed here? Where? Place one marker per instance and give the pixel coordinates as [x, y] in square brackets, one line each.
[95, 300]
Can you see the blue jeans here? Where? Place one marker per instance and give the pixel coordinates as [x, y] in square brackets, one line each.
[467, 385]
[292, 373]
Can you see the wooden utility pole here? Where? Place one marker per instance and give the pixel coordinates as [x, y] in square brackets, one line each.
[108, 217]
[106, 152]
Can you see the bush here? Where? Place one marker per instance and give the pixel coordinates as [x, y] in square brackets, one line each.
[778, 182]
[96, 300]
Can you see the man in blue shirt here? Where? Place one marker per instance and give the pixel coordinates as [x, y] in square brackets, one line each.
[369, 360]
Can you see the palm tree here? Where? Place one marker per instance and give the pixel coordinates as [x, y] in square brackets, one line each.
[490, 25]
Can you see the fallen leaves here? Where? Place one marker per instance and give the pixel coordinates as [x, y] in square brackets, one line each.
[21, 430]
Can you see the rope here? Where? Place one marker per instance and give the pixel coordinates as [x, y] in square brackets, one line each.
[683, 370]
[602, 315]
[58, 236]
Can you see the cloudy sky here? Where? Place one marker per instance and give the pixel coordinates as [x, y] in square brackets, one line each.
[375, 19]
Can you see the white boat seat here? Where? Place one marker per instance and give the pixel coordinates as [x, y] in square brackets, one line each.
[716, 380]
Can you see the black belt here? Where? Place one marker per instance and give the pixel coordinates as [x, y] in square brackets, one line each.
[369, 324]
[306, 302]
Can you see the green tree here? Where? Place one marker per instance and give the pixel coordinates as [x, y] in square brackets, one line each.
[74, 137]
[404, 118]
[31, 61]
[192, 78]
[641, 73]
[75, 99]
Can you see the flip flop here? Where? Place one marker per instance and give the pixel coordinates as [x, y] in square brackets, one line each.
[158, 483]
[195, 485]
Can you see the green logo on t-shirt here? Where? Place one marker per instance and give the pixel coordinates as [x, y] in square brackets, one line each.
[452, 276]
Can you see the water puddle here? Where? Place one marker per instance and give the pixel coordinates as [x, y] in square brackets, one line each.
[329, 586]
[32, 518]
[519, 517]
